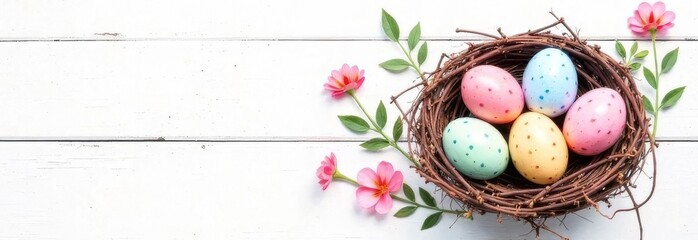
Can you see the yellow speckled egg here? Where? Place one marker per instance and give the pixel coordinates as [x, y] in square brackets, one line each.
[538, 148]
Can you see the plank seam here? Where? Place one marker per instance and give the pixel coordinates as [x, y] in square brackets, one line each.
[433, 39]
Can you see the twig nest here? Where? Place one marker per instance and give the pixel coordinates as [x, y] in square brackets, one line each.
[585, 181]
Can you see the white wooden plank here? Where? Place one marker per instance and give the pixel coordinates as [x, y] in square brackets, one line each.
[263, 191]
[317, 19]
[221, 90]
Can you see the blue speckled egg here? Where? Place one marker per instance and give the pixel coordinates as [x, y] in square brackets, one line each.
[475, 148]
[550, 82]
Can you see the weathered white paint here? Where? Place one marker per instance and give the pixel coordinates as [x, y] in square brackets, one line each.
[264, 191]
[317, 19]
[222, 89]
[251, 73]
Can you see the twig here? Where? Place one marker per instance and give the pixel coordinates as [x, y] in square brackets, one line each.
[459, 30]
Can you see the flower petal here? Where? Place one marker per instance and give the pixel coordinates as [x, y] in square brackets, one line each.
[385, 171]
[359, 82]
[634, 22]
[637, 29]
[668, 17]
[333, 82]
[644, 11]
[665, 27]
[384, 204]
[332, 160]
[337, 75]
[329, 87]
[395, 182]
[324, 183]
[332, 92]
[367, 178]
[344, 79]
[328, 170]
[636, 15]
[658, 9]
[354, 73]
[346, 70]
[366, 197]
[320, 172]
[338, 94]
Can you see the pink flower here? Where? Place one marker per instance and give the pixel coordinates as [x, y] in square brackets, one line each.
[375, 188]
[326, 170]
[651, 18]
[345, 79]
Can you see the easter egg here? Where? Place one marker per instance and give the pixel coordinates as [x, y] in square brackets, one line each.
[538, 149]
[475, 148]
[550, 82]
[595, 122]
[492, 94]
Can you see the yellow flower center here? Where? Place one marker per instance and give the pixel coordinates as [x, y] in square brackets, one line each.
[382, 189]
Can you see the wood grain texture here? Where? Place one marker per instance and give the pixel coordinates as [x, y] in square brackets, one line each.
[223, 90]
[316, 19]
[207, 119]
[259, 191]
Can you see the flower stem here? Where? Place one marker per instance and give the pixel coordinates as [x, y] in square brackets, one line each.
[340, 176]
[653, 33]
[380, 131]
[413, 65]
[425, 206]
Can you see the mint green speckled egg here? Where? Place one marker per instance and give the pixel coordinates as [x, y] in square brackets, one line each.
[475, 148]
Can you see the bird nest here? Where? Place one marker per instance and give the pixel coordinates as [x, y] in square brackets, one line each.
[587, 180]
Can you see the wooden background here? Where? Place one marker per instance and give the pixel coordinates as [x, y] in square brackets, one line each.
[207, 119]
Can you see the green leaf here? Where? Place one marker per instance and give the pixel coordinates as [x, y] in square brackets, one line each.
[633, 49]
[650, 77]
[414, 37]
[375, 144]
[422, 54]
[405, 212]
[669, 60]
[407, 190]
[431, 220]
[647, 104]
[427, 198]
[642, 54]
[390, 27]
[354, 123]
[620, 49]
[381, 115]
[672, 97]
[635, 66]
[395, 65]
[397, 129]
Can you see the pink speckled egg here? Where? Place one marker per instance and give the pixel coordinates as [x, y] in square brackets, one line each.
[492, 94]
[595, 121]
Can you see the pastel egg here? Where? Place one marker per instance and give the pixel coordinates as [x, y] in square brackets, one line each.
[492, 94]
[475, 148]
[538, 149]
[550, 82]
[595, 122]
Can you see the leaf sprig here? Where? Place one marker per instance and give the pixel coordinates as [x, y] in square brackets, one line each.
[414, 43]
[633, 59]
[429, 203]
[376, 123]
[392, 30]
[359, 125]
[668, 61]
